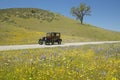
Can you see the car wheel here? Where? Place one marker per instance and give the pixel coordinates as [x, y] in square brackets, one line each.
[40, 42]
[59, 42]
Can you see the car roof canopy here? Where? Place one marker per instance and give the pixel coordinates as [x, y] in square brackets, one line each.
[53, 32]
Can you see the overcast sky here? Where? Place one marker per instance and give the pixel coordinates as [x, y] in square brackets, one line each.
[105, 13]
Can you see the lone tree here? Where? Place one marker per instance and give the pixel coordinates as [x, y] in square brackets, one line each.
[81, 11]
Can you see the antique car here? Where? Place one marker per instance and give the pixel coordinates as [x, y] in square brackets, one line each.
[51, 38]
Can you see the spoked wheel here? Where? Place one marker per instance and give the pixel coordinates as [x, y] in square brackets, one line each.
[40, 42]
[59, 42]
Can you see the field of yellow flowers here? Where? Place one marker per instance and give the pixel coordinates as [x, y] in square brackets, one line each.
[90, 62]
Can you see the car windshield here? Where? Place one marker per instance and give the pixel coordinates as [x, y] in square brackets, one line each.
[57, 34]
[53, 34]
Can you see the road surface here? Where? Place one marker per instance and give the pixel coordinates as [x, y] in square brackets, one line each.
[31, 46]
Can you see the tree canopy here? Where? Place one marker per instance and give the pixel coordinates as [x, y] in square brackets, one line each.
[81, 11]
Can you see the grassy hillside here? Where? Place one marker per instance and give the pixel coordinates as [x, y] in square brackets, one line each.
[27, 25]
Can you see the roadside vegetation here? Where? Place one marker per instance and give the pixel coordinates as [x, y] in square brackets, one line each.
[90, 62]
[27, 25]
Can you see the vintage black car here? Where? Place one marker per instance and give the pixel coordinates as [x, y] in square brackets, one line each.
[51, 38]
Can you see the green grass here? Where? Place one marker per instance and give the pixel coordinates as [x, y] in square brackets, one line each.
[16, 23]
[10, 34]
[91, 62]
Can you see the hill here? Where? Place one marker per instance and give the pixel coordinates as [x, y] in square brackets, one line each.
[27, 25]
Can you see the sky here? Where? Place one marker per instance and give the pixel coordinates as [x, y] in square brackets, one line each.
[104, 13]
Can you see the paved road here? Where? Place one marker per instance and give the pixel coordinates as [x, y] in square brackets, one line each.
[31, 46]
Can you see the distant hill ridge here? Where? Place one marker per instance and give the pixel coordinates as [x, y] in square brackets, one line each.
[27, 25]
[26, 13]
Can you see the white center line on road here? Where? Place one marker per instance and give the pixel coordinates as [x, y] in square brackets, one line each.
[32, 46]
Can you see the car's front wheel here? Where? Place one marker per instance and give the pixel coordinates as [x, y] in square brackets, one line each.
[59, 42]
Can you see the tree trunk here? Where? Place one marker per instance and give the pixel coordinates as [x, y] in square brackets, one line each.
[81, 20]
